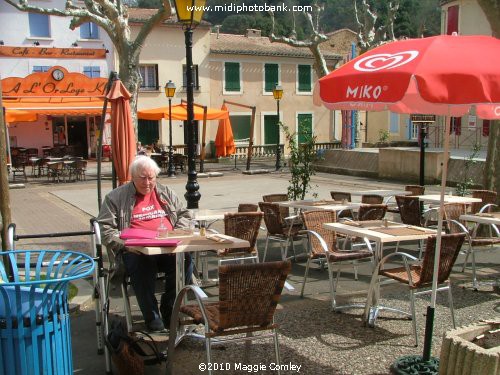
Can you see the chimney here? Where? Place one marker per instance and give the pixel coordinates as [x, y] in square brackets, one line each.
[253, 33]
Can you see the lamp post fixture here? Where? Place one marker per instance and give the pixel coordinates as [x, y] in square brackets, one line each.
[170, 92]
[189, 13]
[278, 94]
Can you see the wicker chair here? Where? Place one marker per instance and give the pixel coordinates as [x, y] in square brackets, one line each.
[340, 196]
[488, 201]
[417, 276]
[371, 212]
[248, 207]
[279, 229]
[244, 225]
[248, 296]
[273, 198]
[454, 225]
[323, 248]
[372, 199]
[415, 189]
[411, 210]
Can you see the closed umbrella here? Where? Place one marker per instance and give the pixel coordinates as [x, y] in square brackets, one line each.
[224, 140]
[123, 141]
[446, 75]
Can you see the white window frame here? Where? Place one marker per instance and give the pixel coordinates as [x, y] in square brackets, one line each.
[224, 92]
[264, 78]
[34, 37]
[305, 93]
[91, 68]
[147, 86]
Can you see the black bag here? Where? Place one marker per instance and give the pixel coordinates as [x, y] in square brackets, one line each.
[130, 352]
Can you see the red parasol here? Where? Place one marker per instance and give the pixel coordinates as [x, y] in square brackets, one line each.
[443, 75]
[224, 140]
[123, 139]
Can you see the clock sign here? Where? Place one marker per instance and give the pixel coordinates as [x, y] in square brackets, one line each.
[57, 74]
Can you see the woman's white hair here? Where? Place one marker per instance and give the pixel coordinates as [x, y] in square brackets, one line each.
[143, 163]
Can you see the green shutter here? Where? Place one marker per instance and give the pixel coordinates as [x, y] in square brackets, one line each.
[271, 76]
[232, 76]
[305, 78]
[270, 129]
[305, 127]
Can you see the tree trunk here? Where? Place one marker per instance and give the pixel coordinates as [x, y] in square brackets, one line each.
[491, 9]
[492, 168]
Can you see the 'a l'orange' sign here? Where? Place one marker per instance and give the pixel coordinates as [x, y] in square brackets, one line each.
[57, 81]
[52, 53]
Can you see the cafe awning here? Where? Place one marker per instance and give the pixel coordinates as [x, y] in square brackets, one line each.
[56, 92]
[179, 112]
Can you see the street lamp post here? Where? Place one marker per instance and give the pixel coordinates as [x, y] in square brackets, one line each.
[278, 94]
[170, 92]
[189, 13]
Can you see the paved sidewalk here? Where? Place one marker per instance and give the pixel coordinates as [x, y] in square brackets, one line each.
[311, 335]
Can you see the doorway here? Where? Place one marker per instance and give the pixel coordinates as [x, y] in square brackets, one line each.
[77, 137]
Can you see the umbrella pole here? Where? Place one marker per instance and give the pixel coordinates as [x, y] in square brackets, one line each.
[430, 322]
[112, 77]
[426, 363]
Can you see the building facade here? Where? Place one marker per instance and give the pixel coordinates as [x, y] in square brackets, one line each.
[244, 69]
[35, 43]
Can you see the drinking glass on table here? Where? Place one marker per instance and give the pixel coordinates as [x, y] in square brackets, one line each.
[162, 230]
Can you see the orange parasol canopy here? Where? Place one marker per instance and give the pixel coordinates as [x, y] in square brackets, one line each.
[179, 112]
[224, 140]
[123, 140]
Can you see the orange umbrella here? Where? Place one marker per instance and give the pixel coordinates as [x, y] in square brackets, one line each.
[224, 140]
[122, 131]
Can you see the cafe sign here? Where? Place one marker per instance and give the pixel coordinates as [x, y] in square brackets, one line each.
[53, 53]
[56, 82]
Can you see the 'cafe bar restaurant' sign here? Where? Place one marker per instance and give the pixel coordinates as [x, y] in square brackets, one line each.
[57, 81]
[53, 53]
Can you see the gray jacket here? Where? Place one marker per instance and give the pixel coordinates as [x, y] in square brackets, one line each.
[117, 207]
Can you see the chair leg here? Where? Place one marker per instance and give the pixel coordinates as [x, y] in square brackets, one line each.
[208, 346]
[265, 248]
[371, 298]
[474, 275]
[126, 306]
[413, 318]
[305, 277]
[355, 265]
[452, 310]
[277, 350]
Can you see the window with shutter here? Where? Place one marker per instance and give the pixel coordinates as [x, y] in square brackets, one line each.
[39, 25]
[304, 122]
[271, 76]
[89, 30]
[232, 77]
[196, 83]
[304, 78]
[149, 75]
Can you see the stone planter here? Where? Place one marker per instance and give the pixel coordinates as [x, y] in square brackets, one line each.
[459, 355]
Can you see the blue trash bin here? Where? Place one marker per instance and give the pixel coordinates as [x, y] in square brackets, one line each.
[35, 332]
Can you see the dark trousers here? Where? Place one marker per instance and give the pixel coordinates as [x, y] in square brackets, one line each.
[143, 270]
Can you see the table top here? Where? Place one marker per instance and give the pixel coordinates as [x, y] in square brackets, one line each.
[484, 218]
[436, 198]
[382, 192]
[195, 243]
[207, 215]
[320, 205]
[394, 232]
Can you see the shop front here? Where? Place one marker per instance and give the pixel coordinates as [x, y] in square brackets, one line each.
[57, 112]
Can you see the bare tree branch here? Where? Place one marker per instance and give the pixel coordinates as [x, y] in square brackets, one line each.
[312, 42]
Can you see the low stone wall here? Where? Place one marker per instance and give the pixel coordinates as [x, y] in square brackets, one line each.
[460, 356]
[349, 162]
[400, 164]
